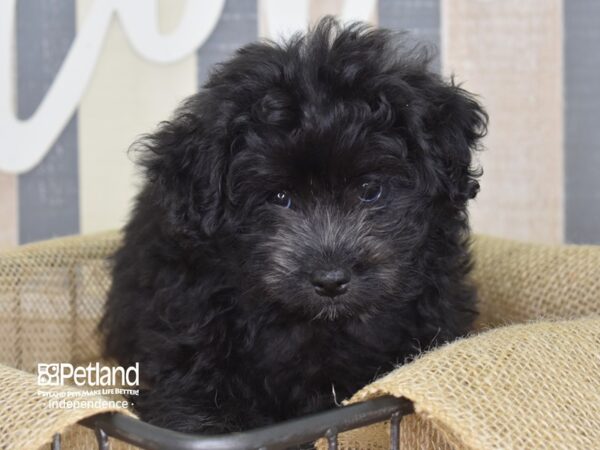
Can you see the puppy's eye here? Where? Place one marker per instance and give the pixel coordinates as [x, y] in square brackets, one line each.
[369, 191]
[282, 198]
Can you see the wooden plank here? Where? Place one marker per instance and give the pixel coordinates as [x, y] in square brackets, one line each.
[48, 194]
[237, 26]
[510, 52]
[127, 96]
[582, 111]
[8, 211]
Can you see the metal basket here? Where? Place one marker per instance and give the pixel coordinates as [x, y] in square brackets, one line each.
[303, 430]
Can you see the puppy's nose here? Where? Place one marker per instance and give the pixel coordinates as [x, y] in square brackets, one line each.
[330, 282]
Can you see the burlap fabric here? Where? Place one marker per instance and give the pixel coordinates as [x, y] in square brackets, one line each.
[532, 385]
[51, 297]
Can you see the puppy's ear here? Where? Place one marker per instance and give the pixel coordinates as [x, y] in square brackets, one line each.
[184, 168]
[455, 123]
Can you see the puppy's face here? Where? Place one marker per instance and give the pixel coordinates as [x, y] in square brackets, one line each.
[328, 221]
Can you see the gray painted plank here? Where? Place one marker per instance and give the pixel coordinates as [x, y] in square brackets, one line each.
[48, 194]
[421, 18]
[582, 112]
[237, 26]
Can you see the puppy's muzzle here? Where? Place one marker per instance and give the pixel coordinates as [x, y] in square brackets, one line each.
[330, 283]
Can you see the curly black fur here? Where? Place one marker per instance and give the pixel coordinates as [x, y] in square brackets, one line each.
[212, 289]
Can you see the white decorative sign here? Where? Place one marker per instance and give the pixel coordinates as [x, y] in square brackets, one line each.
[24, 143]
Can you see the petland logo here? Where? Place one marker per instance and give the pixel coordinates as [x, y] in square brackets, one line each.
[56, 374]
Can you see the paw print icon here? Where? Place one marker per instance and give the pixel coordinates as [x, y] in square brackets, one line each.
[48, 374]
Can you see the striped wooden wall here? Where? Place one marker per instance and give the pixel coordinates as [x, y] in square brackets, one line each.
[534, 64]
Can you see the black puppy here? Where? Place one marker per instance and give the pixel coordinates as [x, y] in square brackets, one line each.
[302, 230]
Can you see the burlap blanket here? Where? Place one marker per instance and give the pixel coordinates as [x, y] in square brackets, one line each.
[529, 378]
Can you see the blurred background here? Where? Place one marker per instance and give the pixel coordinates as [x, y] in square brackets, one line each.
[81, 79]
